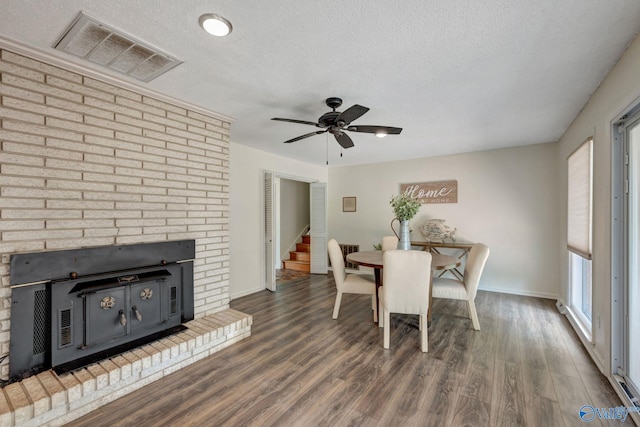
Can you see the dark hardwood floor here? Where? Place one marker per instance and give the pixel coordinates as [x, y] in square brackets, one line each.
[301, 368]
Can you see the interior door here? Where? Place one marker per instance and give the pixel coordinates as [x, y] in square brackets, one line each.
[269, 231]
[318, 223]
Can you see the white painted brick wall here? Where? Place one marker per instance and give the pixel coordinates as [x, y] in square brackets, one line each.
[86, 163]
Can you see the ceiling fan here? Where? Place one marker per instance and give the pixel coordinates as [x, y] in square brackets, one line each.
[336, 123]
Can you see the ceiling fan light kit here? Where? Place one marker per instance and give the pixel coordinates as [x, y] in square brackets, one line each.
[336, 123]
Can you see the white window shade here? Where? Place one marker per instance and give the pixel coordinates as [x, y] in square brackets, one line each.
[579, 212]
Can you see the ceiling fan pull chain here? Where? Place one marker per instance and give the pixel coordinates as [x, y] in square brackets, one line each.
[327, 145]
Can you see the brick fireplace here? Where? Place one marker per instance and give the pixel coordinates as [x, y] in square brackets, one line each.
[86, 161]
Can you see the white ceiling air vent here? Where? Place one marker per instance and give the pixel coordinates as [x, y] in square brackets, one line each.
[104, 45]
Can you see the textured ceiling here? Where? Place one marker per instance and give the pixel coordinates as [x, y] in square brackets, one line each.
[457, 75]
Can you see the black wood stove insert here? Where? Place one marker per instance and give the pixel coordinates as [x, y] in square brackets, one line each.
[71, 308]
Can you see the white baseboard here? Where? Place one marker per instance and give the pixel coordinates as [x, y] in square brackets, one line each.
[365, 270]
[521, 292]
[245, 293]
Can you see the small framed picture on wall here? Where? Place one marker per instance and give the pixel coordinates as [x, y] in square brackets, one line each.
[349, 204]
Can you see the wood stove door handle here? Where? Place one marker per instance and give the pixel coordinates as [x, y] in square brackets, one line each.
[123, 318]
[137, 313]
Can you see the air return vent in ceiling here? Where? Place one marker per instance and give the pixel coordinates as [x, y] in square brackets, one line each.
[104, 45]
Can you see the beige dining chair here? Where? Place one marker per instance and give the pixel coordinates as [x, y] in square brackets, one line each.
[406, 275]
[389, 242]
[349, 283]
[466, 288]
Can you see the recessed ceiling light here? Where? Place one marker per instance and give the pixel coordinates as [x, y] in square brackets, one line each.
[215, 24]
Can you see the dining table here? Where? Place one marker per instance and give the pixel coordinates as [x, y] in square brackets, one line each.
[373, 259]
[461, 246]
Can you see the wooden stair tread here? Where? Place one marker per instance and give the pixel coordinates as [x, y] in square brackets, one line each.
[299, 259]
[303, 247]
[296, 265]
[299, 256]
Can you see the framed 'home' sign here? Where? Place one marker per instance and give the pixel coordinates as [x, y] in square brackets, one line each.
[432, 192]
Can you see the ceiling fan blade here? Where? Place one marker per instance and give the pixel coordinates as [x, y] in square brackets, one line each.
[305, 136]
[350, 114]
[344, 140]
[376, 129]
[302, 122]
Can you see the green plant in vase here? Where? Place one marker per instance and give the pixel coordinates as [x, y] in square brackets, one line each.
[404, 208]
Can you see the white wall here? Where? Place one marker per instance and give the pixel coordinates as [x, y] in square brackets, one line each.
[619, 91]
[246, 208]
[507, 199]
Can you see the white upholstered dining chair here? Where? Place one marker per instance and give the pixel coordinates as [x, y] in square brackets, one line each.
[466, 288]
[406, 278]
[389, 242]
[349, 283]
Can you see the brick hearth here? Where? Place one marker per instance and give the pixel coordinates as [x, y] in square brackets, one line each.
[54, 400]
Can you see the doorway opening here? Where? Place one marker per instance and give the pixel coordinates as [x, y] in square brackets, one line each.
[294, 222]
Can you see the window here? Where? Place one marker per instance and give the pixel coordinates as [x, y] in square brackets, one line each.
[580, 284]
[579, 224]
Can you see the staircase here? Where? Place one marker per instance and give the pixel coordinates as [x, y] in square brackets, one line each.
[300, 258]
